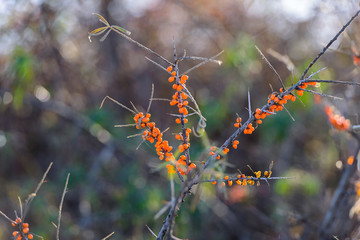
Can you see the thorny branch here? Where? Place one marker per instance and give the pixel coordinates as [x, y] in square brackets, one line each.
[169, 222]
[166, 232]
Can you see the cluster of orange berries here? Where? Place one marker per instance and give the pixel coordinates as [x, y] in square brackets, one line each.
[242, 179]
[163, 149]
[179, 97]
[337, 121]
[276, 103]
[23, 232]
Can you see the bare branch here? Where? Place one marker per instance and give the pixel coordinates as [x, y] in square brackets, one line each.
[60, 208]
[329, 44]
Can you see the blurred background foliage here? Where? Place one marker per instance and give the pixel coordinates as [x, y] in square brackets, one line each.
[53, 81]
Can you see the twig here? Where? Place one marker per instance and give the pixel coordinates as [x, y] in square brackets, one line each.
[152, 233]
[108, 236]
[329, 44]
[331, 81]
[321, 94]
[6, 216]
[202, 63]
[33, 195]
[156, 64]
[271, 67]
[249, 104]
[151, 96]
[123, 106]
[60, 208]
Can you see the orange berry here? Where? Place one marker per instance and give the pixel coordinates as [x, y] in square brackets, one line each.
[230, 183]
[173, 102]
[13, 224]
[173, 73]
[237, 125]
[15, 233]
[179, 88]
[259, 121]
[218, 157]
[234, 146]
[184, 77]
[350, 160]
[185, 120]
[30, 236]
[236, 142]
[226, 177]
[300, 92]
[225, 151]
[171, 79]
[25, 225]
[169, 68]
[178, 120]
[213, 182]
[192, 166]
[212, 153]
[26, 230]
[184, 95]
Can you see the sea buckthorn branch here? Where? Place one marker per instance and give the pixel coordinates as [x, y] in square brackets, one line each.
[329, 44]
[22, 231]
[240, 180]
[179, 99]
[276, 102]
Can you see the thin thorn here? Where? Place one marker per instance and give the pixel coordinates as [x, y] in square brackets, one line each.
[126, 125]
[134, 107]
[271, 67]
[150, 101]
[123, 106]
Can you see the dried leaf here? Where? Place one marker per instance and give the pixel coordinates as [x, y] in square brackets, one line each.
[123, 30]
[98, 31]
[105, 36]
[102, 19]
